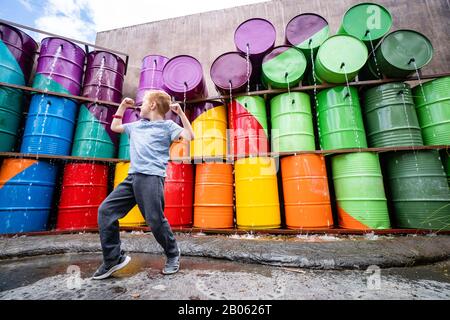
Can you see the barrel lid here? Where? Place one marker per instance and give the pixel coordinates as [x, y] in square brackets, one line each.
[284, 64]
[400, 46]
[182, 73]
[154, 61]
[365, 17]
[343, 49]
[307, 30]
[258, 33]
[230, 66]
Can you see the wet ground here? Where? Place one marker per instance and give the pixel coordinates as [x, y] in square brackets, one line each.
[67, 276]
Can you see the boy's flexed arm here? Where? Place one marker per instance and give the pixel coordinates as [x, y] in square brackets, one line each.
[188, 132]
[116, 124]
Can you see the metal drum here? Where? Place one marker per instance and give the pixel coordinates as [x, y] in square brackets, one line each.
[340, 120]
[257, 203]
[209, 122]
[26, 192]
[129, 116]
[445, 157]
[60, 66]
[390, 115]
[11, 107]
[151, 77]
[179, 148]
[213, 205]
[50, 125]
[231, 73]
[305, 190]
[292, 123]
[360, 196]
[84, 187]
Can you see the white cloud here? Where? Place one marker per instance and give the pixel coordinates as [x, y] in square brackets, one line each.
[26, 4]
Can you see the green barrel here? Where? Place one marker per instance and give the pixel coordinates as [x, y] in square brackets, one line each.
[367, 22]
[11, 107]
[292, 124]
[360, 196]
[390, 116]
[400, 54]
[283, 67]
[433, 110]
[418, 190]
[339, 119]
[340, 58]
[124, 147]
[445, 157]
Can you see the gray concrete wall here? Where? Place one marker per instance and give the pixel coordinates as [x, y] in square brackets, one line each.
[207, 35]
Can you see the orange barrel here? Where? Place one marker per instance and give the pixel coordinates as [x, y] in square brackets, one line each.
[180, 148]
[134, 217]
[84, 187]
[209, 122]
[257, 204]
[213, 205]
[306, 197]
[178, 194]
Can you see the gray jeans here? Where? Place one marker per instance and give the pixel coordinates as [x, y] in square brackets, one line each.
[148, 193]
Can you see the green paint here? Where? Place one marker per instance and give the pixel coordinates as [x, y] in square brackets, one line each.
[11, 107]
[42, 82]
[124, 147]
[10, 71]
[316, 41]
[256, 106]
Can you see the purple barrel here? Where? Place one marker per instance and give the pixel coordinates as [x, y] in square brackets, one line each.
[60, 66]
[21, 47]
[230, 71]
[104, 76]
[183, 78]
[131, 115]
[151, 76]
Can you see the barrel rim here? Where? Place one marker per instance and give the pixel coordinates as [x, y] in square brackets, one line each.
[222, 55]
[110, 53]
[201, 79]
[68, 41]
[302, 14]
[22, 33]
[262, 19]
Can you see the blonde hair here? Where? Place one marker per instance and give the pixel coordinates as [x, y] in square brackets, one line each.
[161, 98]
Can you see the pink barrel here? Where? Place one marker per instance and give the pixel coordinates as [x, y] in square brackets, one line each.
[151, 77]
[230, 71]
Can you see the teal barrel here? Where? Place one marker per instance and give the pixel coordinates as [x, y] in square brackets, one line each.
[418, 190]
[360, 196]
[130, 115]
[390, 116]
[339, 119]
[292, 124]
[340, 58]
[432, 101]
[11, 103]
[445, 157]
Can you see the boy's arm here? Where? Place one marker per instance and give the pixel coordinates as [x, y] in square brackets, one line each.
[188, 132]
[116, 124]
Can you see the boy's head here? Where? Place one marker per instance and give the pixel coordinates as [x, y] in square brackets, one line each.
[156, 103]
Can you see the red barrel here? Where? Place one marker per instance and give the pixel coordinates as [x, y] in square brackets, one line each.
[178, 194]
[85, 186]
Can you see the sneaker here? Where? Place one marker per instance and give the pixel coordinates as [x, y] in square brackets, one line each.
[103, 272]
[172, 264]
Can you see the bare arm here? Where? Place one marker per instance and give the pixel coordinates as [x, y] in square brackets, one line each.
[116, 124]
[188, 132]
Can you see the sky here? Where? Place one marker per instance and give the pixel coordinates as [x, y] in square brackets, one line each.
[82, 19]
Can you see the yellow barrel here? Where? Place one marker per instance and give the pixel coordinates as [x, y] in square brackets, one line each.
[257, 204]
[209, 122]
[134, 218]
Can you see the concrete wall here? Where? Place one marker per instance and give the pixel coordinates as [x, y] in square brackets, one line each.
[207, 35]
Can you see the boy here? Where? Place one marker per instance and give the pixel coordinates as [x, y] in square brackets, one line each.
[150, 139]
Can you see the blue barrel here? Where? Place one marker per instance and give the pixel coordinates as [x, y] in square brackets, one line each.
[50, 125]
[26, 192]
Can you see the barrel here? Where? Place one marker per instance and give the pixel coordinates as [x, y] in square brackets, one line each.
[93, 135]
[432, 101]
[445, 157]
[390, 116]
[283, 67]
[60, 66]
[179, 148]
[230, 72]
[340, 120]
[213, 205]
[257, 204]
[339, 59]
[11, 105]
[151, 77]
[368, 22]
[183, 78]
[307, 31]
[360, 197]
[26, 192]
[84, 187]
[209, 122]
[130, 115]
[179, 194]
[134, 218]
[418, 190]
[248, 126]
[400, 54]
[104, 76]
[305, 191]
[292, 123]
[49, 126]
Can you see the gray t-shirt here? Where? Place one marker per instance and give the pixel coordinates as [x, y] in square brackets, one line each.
[149, 145]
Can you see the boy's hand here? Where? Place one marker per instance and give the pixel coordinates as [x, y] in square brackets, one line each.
[127, 103]
[175, 107]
